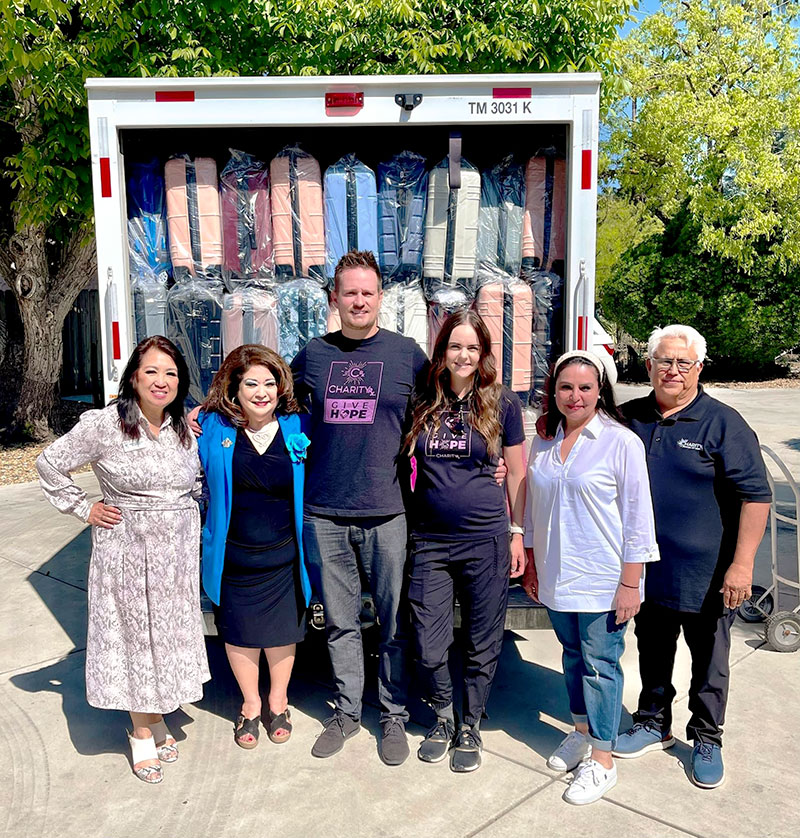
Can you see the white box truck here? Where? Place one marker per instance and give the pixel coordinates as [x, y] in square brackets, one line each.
[549, 121]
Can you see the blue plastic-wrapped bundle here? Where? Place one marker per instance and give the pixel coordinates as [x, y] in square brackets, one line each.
[351, 210]
[194, 313]
[302, 315]
[402, 198]
[500, 221]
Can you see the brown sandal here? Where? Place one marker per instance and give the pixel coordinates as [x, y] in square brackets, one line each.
[278, 722]
[246, 727]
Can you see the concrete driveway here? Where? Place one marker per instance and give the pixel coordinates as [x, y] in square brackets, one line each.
[65, 770]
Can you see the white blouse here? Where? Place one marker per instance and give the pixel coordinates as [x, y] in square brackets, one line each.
[588, 516]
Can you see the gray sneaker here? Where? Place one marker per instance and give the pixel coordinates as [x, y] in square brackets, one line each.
[466, 753]
[437, 741]
[337, 729]
[393, 749]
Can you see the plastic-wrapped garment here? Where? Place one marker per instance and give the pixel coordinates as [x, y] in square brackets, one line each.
[517, 336]
[404, 311]
[193, 215]
[149, 308]
[544, 234]
[451, 230]
[507, 309]
[443, 304]
[500, 222]
[302, 315]
[147, 223]
[298, 236]
[489, 304]
[249, 315]
[402, 197]
[194, 311]
[546, 327]
[246, 219]
[334, 319]
[351, 210]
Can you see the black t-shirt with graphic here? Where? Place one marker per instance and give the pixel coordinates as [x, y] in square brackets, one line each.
[456, 496]
[358, 392]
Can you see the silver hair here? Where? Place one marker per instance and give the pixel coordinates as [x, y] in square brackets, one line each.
[692, 337]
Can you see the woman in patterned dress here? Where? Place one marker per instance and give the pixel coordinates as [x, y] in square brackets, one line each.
[145, 649]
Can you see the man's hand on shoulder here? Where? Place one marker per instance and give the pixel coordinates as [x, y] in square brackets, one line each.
[193, 423]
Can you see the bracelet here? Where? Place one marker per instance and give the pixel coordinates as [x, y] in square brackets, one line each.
[634, 587]
[513, 529]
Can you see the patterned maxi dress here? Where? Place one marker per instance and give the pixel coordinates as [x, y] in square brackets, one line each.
[145, 649]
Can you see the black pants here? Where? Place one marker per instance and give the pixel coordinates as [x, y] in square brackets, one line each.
[708, 636]
[476, 572]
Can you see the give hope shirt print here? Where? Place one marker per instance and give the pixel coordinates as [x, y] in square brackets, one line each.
[352, 392]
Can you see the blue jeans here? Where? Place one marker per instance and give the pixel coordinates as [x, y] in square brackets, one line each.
[339, 551]
[593, 645]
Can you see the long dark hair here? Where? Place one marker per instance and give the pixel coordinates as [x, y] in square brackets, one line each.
[226, 382]
[127, 403]
[484, 406]
[605, 402]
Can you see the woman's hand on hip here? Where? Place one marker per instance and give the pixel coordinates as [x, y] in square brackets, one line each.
[627, 603]
[530, 581]
[517, 556]
[104, 516]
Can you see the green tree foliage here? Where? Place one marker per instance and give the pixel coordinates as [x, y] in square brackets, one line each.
[747, 318]
[621, 224]
[49, 47]
[712, 123]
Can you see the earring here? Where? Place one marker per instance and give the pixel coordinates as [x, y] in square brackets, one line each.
[233, 399]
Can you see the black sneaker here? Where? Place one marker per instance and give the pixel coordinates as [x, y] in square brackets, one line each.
[466, 753]
[393, 749]
[437, 741]
[338, 728]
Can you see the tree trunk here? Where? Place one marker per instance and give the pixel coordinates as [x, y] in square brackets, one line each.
[44, 300]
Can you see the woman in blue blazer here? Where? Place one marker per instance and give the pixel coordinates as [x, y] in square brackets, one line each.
[253, 450]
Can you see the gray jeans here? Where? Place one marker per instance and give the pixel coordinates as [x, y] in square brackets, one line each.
[338, 551]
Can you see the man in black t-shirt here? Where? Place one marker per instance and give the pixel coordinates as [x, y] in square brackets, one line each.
[711, 501]
[357, 383]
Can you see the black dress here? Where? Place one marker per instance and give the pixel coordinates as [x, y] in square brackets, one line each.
[261, 602]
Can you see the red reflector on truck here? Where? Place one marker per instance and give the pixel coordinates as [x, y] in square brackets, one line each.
[174, 95]
[115, 341]
[586, 168]
[105, 177]
[344, 100]
[583, 332]
[511, 93]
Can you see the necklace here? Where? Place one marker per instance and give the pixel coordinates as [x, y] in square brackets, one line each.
[262, 438]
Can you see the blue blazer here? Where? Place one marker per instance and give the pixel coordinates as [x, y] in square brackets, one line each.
[216, 454]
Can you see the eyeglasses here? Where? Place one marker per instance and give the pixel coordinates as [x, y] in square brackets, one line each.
[683, 364]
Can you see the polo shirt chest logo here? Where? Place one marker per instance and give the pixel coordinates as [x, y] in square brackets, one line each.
[690, 446]
[453, 437]
[352, 392]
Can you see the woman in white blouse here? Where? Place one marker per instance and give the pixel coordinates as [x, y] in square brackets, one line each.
[589, 530]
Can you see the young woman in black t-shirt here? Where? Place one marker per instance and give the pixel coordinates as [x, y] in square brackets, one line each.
[462, 421]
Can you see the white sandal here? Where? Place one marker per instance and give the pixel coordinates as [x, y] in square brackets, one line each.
[166, 752]
[143, 750]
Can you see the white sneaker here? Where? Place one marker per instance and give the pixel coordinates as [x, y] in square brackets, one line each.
[590, 783]
[570, 752]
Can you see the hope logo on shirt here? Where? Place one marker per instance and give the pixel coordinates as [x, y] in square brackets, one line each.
[352, 392]
[453, 437]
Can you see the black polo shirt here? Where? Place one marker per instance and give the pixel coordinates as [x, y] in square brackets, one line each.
[703, 461]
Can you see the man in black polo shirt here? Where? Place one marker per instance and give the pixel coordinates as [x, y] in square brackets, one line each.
[711, 500]
[357, 383]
